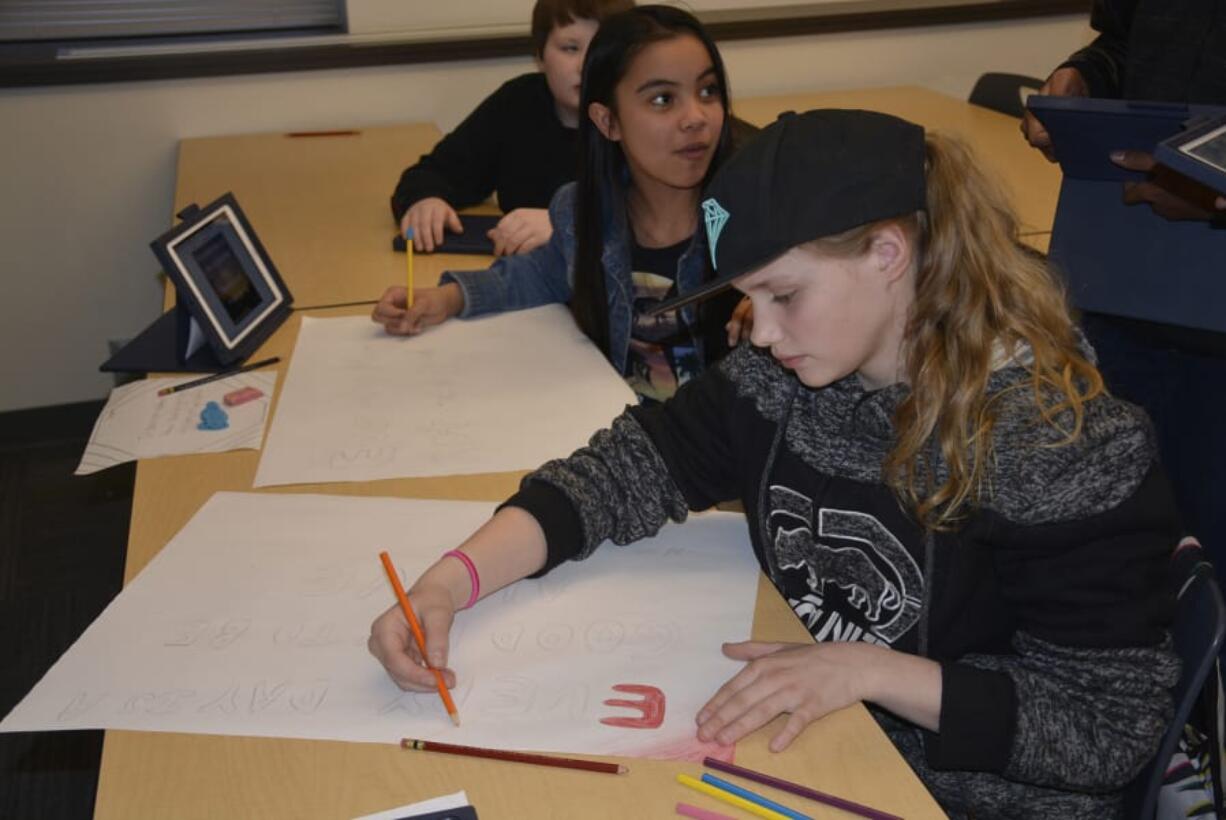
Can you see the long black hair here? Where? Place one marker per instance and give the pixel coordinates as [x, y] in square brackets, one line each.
[602, 165]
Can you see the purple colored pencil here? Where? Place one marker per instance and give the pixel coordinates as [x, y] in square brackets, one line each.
[803, 791]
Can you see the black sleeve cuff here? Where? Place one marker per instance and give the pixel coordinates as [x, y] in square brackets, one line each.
[557, 517]
[978, 717]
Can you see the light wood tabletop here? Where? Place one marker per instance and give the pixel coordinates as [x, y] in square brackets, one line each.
[320, 205]
[1032, 181]
[150, 775]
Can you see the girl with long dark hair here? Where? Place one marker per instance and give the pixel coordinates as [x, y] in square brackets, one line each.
[655, 123]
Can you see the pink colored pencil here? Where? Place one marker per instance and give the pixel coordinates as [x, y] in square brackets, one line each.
[803, 791]
[686, 810]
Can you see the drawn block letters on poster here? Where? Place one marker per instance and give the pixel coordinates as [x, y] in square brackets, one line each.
[253, 621]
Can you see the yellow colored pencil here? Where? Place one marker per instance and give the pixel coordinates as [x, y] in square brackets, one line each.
[729, 798]
[408, 254]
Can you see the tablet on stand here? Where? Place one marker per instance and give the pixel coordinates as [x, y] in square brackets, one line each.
[229, 297]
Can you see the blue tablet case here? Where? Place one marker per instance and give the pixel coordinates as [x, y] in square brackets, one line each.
[1119, 259]
[473, 240]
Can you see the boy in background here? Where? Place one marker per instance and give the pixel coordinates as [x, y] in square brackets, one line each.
[520, 142]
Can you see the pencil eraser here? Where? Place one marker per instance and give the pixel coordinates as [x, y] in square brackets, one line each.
[212, 417]
[242, 395]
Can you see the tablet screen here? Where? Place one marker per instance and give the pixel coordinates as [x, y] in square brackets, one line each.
[221, 267]
[1209, 148]
[224, 271]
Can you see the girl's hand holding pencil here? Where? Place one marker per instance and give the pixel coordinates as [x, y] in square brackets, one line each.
[391, 639]
[431, 306]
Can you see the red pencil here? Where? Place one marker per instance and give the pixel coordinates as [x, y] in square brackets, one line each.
[418, 635]
[514, 757]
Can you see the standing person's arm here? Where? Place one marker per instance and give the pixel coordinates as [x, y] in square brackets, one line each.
[1101, 64]
[1095, 71]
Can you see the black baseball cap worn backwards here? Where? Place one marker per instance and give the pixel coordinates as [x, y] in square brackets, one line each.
[803, 177]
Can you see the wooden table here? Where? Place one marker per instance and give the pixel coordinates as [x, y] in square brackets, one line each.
[292, 190]
[1032, 182]
[318, 203]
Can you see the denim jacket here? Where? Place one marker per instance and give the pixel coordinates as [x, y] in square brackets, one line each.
[546, 275]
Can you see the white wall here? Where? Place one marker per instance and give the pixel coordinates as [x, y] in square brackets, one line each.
[87, 172]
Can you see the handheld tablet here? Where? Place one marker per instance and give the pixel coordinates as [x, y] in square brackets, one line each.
[1122, 259]
[1199, 152]
[1084, 131]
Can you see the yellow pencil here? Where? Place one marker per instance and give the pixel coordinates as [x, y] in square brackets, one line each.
[408, 253]
[729, 798]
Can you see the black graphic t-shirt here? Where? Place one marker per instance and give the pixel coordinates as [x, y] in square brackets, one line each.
[663, 354]
[850, 563]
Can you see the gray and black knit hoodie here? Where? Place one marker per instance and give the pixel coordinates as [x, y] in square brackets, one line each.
[1046, 608]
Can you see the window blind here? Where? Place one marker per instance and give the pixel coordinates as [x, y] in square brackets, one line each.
[81, 19]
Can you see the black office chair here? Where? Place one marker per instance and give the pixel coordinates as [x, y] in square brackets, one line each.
[1005, 93]
[1200, 624]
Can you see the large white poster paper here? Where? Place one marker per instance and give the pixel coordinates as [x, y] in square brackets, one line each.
[253, 621]
[493, 394]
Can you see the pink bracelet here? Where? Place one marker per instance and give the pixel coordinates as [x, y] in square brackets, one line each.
[472, 576]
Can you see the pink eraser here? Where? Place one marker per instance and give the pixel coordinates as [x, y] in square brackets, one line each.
[242, 395]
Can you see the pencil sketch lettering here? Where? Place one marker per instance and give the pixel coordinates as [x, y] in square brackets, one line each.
[604, 636]
[307, 701]
[406, 703]
[506, 638]
[555, 638]
[187, 633]
[649, 703]
[330, 579]
[511, 696]
[166, 702]
[569, 702]
[264, 695]
[229, 632]
[652, 638]
[226, 703]
[80, 704]
[347, 459]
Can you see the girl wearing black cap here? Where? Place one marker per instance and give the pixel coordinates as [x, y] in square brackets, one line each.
[972, 530]
[655, 125]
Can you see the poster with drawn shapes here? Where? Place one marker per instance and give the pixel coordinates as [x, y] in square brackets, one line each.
[492, 394]
[253, 620]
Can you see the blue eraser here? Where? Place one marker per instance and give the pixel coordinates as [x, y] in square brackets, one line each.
[212, 417]
[408, 234]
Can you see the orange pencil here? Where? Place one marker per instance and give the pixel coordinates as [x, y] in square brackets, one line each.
[418, 635]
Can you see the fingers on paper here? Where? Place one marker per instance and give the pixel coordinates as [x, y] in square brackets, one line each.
[752, 698]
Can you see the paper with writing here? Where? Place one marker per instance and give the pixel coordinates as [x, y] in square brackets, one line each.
[253, 620]
[492, 394]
